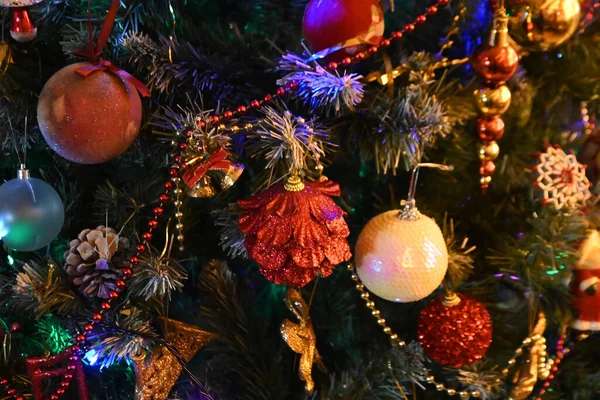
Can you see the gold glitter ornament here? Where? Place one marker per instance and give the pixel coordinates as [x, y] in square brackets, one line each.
[157, 373]
[301, 338]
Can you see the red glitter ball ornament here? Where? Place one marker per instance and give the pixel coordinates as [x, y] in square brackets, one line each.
[295, 231]
[455, 335]
[353, 25]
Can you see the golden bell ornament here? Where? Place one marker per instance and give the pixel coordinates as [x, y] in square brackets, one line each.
[203, 189]
[489, 151]
[228, 179]
[207, 174]
[542, 25]
[492, 101]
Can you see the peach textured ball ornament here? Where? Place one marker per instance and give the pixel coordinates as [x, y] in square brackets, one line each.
[89, 120]
[343, 27]
[22, 28]
[401, 256]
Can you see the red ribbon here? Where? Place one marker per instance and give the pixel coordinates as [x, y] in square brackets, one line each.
[104, 65]
[216, 162]
[94, 53]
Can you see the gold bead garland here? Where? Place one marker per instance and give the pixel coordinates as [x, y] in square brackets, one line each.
[177, 202]
[545, 363]
[396, 341]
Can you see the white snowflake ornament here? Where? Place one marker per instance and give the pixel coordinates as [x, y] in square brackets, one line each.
[560, 179]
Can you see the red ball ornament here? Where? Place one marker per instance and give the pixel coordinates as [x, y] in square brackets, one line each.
[496, 61]
[15, 327]
[487, 168]
[89, 120]
[295, 231]
[490, 128]
[455, 330]
[495, 64]
[350, 25]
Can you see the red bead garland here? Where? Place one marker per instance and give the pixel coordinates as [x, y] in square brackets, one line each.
[588, 16]
[332, 66]
[169, 186]
[81, 338]
[561, 352]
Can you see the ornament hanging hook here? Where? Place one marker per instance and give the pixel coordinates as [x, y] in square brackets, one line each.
[410, 211]
[25, 135]
[23, 172]
[414, 178]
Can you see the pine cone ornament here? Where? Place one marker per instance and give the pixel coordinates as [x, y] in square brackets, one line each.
[295, 231]
[95, 260]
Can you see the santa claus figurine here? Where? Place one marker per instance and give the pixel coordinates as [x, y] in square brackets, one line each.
[585, 284]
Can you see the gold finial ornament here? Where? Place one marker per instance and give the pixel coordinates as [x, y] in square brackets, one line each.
[294, 184]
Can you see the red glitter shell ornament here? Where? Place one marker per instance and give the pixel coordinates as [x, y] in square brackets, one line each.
[455, 330]
[343, 27]
[294, 231]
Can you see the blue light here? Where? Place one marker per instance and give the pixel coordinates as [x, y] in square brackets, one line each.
[3, 229]
[559, 55]
[91, 357]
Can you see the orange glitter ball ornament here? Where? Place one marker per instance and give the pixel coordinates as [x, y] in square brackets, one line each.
[89, 120]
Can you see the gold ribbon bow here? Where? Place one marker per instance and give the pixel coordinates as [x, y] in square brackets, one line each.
[301, 338]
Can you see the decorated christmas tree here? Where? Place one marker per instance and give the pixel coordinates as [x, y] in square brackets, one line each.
[305, 199]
